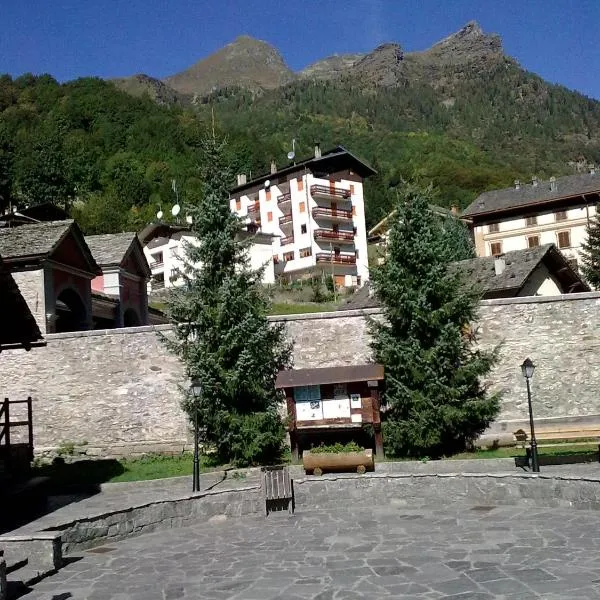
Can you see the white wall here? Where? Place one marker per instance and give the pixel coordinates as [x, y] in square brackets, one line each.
[541, 283]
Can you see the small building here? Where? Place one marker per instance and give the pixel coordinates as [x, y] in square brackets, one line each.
[164, 247]
[124, 278]
[331, 404]
[527, 215]
[540, 271]
[52, 267]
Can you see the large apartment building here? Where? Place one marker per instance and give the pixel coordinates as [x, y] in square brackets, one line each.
[315, 210]
[531, 214]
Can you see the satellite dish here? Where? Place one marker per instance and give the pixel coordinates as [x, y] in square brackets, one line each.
[291, 155]
[159, 214]
[175, 210]
[189, 220]
[267, 183]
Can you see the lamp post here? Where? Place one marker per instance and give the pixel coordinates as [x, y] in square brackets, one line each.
[527, 368]
[196, 389]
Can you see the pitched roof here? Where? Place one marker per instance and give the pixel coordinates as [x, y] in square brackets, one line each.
[519, 266]
[36, 240]
[18, 328]
[334, 159]
[110, 248]
[528, 195]
[328, 375]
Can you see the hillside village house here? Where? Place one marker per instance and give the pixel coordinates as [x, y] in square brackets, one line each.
[528, 215]
[164, 248]
[315, 209]
[539, 271]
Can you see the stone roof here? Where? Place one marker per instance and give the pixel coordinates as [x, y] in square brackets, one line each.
[519, 266]
[35, 240]
[110, 248]
[328, 375]
[528, 195]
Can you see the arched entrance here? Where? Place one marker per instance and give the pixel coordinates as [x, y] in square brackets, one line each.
[130, 318]
[71, 314]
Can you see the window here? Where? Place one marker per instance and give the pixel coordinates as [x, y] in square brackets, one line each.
[352, 188]
[496, 248]
[530, 221]
[288, 256]
[300, 182]
[268, 194]
[533, 241]
[304, 252]
[275, 259]
[303, 228]
[494, 228]
[561, 215]
[307, 393]
[238, 204]
[358, 280]
[356, 253]
[158, 258]
[353, 210]
[269, 216]
[302, 207]
[564, 239]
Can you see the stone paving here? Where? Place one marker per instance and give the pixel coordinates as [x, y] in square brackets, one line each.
[431, 551]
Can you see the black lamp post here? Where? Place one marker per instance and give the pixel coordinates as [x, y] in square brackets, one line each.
[196, 389]
[527, 368]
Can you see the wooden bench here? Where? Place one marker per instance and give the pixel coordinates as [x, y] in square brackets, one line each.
[279, 489]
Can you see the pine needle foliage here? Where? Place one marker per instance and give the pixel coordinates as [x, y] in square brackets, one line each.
[590, 252]
[436, 403]
[222, 333]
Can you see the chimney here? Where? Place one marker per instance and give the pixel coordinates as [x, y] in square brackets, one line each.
[592, 169]
[517, 184]
[273, 167]
[317, 150]
[534, 181]
[241, 178]
[499, 265]
[553, 186]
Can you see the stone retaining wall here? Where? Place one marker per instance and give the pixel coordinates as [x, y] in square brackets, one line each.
[117, 392]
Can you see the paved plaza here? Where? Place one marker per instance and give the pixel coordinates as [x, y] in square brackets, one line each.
[396, 551]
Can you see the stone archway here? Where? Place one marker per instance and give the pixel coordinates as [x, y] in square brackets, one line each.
[71, 314]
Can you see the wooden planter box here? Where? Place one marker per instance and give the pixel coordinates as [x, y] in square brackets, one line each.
[318, 463]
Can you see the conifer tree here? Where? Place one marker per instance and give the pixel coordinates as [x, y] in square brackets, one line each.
[590, 252]
[436, 402]
[221, 329]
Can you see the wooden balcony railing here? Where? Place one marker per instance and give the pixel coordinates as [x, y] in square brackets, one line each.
[336, 259]
[285, 219]
[341, 215]
[329, 191]
[287, 240]
[284, 198]
[329, 234]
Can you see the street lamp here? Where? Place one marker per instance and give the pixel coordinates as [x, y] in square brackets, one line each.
[196, 390]
[527, 368]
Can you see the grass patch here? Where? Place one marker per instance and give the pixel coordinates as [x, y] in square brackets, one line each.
[559, 450]
[90, 472]
[295, 309]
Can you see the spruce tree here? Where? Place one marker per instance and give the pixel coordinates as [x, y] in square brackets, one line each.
[436, 403]
[221, 329]
[590, 253]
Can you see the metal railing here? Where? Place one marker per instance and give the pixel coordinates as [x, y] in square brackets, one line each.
[330, 191]
[6, 424]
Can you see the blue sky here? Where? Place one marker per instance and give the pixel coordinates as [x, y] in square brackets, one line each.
[558, 39]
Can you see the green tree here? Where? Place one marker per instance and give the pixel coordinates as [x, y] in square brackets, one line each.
[590, 252]
[222, 333]
[436, 402]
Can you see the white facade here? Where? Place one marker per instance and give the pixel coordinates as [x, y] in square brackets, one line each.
[319, 224]
[565, 228]
[166, 259]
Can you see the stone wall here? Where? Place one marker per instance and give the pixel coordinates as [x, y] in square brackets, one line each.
[118, 390]
[31, 286]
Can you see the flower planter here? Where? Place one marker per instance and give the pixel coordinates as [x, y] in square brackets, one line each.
[319, 462]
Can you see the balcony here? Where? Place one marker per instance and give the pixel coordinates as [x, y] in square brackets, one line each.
[328, 213]
[285, 219]
[336, 259]
[284, 198]
[334, 236]
[287, 240]
[254, 211]
[329, 192]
